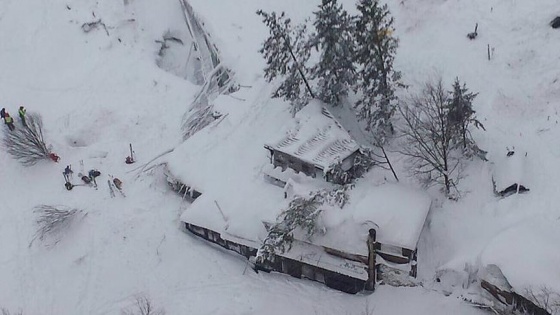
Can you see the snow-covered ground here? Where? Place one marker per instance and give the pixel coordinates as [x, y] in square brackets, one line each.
[97, 93]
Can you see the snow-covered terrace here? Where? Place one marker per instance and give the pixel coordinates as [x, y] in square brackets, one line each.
[396, 211]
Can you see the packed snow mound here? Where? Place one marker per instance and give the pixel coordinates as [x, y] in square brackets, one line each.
[527, 256]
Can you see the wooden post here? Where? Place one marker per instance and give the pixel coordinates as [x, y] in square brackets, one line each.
[488, 51]
[414, 264]
[131, 156]
[372, 274]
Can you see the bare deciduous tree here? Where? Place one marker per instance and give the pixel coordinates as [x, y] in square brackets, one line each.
[26, 143]
[143, 306]
[54, 219]
[429, 143]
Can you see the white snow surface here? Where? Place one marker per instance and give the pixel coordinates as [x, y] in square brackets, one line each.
[97, 93]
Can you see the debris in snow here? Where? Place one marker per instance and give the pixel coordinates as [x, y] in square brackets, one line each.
[115, 184]
[555, 23]
[111, 191]
[474, 34]
[143, 306]
[88, 27]
[130, 159]
[118, 183]
[85, 179]
[53, 220]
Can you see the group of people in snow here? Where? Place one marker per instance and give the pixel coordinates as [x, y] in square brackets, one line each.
[88, 179]
[9, 121]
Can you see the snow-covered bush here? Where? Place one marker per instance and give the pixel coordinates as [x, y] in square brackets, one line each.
[143, 306]
[26, 143]
[53, 220]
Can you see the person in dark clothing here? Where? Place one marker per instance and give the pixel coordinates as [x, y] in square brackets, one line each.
[3, 113]
[68, 173]
[94, 173]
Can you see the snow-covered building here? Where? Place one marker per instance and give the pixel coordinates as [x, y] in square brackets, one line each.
[338, 255]
[235, 202]
[313, 143]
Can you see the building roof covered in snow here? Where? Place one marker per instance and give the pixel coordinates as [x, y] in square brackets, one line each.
[397, 213]
[315, 137]
[237, 198]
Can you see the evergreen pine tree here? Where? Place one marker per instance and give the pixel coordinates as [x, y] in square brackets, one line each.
[334, 40]
[375, 53]
[286, 52]
[461, 114]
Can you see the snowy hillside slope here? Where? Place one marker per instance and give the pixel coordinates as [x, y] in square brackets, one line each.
[98, 93]
[518, 104]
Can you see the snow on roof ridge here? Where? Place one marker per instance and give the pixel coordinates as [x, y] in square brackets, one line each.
[309, 144]
[287, 141]
[337, 146]
[316, 137]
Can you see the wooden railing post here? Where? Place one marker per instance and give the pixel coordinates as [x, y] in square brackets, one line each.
[372, 274]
